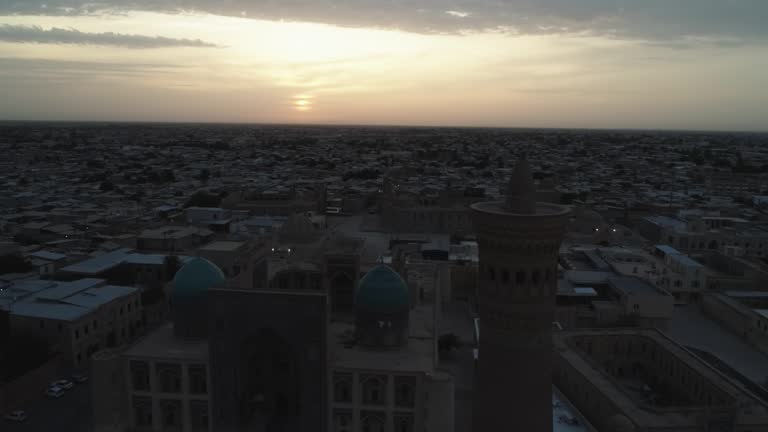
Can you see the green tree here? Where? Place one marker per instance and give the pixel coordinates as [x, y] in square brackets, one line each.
[203, 199]
[13, 263]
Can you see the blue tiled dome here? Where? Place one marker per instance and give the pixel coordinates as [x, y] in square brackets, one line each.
[194, 279]
[382, 290]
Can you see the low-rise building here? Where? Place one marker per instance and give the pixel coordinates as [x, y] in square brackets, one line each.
[640, 380]
[77, 318]
[745, 313]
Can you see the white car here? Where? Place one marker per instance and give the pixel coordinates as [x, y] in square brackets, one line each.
[54, 392]
[63, 383]
[16, 416]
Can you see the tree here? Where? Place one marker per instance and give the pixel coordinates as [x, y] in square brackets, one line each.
[13, 263]
[203, 199]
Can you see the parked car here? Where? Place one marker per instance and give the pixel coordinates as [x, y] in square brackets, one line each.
[63, 383]
[54, 392]
[16, 416]
[79, 377]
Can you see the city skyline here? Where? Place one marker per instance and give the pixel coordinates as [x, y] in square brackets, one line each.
[598, 64]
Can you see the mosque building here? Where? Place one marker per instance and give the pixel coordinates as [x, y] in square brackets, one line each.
[282, 355]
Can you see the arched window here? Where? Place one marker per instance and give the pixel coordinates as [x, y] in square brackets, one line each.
[405, 391]
[342, 388]
[342, 421]
[373, 422]
[404, 423]
[373, 390]
[171, 415]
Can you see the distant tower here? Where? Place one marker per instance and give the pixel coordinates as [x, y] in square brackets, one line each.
[519, 240]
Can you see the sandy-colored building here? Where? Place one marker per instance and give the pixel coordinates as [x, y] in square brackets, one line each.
[77, 318]
[640, 380]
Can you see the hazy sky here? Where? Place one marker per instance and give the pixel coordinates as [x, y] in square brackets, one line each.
[682, 64]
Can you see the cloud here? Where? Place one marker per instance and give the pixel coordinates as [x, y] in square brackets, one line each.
[35, 34]
[458, 14]
[652, 20]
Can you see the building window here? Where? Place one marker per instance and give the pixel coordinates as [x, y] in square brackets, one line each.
[140, 375]
[491, 274]
[520, 277]
[342, 421]
[77, 334]
[405, 391]
[198, 415]
[142, 412]
[374, 390]
[535, 276]
[198, 381]
[342, 388]
[372, 421]
[404, 422]
[42, 324]
[169, 376]
[170, 411]
[59, 327]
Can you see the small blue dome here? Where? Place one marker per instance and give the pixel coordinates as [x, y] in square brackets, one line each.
[382, 290]
[194, 279]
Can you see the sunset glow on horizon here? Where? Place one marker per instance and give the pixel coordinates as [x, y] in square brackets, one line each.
[154, 65]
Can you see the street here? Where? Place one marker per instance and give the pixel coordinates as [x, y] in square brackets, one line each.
[71, 412]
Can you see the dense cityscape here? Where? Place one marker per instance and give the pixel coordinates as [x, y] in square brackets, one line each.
[214, 277]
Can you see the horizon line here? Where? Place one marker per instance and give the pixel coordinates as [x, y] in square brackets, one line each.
[393, 125]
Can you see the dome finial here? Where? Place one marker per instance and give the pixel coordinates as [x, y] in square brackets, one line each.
[521, 191]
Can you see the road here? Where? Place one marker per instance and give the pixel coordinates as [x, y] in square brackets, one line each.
[71, 412]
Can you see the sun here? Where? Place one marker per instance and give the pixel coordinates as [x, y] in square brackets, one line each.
[302, 103]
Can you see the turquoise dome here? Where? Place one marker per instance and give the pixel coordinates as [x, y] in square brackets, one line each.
[382, 290]
[194, 279]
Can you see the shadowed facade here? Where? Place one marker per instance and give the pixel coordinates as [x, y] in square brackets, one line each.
[518, 242]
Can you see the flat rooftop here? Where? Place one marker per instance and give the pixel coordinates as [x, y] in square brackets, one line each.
[68, 301]
[223, 246]
[98, 264]
[542, 209]
[623, 398]
[634, 286]
[163, 344]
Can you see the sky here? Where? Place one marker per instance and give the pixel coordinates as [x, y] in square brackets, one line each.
[647, 64]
